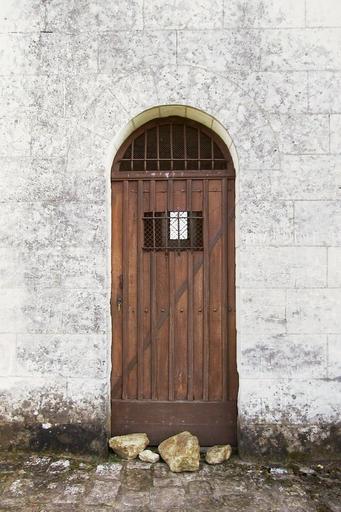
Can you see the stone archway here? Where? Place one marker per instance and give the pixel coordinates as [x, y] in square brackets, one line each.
[119, 105]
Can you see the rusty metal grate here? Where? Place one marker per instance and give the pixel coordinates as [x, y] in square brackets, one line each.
[173, 231]
[175, 145]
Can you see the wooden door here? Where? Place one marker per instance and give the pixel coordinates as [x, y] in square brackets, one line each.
[173, 286]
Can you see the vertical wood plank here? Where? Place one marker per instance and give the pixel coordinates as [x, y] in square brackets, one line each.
[147, 359]
[162, 301]
[131, 307]
[181, 312]
[190, 300]
[116, 291]
[198, 301]
[171, 271]
[125, 304]
[224, 290]
[215, 291]
[206, 292]
[140, 306]
[153, 306]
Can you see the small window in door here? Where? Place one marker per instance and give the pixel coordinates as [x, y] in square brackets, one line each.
[173, 231]
[178, 225]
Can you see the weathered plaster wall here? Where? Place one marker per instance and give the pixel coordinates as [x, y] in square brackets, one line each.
[72, 76]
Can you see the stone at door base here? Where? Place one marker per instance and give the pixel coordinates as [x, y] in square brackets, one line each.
[129, 446]
[149, 456]
[218, 454]
[181, 452]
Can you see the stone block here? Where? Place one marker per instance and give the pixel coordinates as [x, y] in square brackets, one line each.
[47, 413]
[335, 133]
[106, 116]
[32, 95]
[324, 87]
[11, 271]
[49, 311]
[313, 311]
[297, 356]
[94, 15]
[91, 397]
[260, 14]
[252, 135]
[136, 92]
[183, 14]
[334, 267]
[261, 312]
[323, 14]
[80, 94]
[19, 53]
[66, 267]
[334, 357]
[23, 16]
[7, 351]
[285, 401]
[313, 177]
[12, 301]
[15, 137]
[282, 267]
[61, 355]
[265, 222]
[9, 229]
[278, 91]
[318, 223]
[56, 224]
[65, 54]
[220, 50]
[302, 133]
[300, 50]
[302, 177]
[135, 50]
[50, 136]
[103, 493]
[87, 152]
[47, 179]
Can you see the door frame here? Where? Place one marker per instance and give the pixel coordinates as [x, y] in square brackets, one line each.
[231, 249]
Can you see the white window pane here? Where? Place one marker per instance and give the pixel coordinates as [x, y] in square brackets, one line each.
[178, 226]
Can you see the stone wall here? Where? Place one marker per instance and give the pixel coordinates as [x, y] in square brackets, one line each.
[73, 74]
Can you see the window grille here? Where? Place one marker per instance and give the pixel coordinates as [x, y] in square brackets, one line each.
[174, 145]
[169, 231]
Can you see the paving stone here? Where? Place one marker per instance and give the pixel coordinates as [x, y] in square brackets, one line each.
[167, 498]
[137, 479]
[128, 498]
[70, 493]
[108, 471]
[103, 493]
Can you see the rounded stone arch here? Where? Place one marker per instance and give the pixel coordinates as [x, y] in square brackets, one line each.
[184, 111]
[119, 105]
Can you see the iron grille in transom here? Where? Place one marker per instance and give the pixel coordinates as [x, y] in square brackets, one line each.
[173, 231]
[176, 144]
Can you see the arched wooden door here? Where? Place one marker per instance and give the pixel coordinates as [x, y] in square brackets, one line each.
[173, 284]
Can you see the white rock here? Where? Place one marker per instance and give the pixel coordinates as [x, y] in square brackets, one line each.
[181, 452]
[129, 446]
[218, 454]
[149, 456]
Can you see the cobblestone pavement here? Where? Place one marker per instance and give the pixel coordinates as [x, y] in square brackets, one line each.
[41, 483]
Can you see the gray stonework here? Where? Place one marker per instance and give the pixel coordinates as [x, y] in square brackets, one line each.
[47, 484]
[73, 76]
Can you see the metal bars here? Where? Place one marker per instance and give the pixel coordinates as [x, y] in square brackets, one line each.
[180, 147]
[173, 231]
